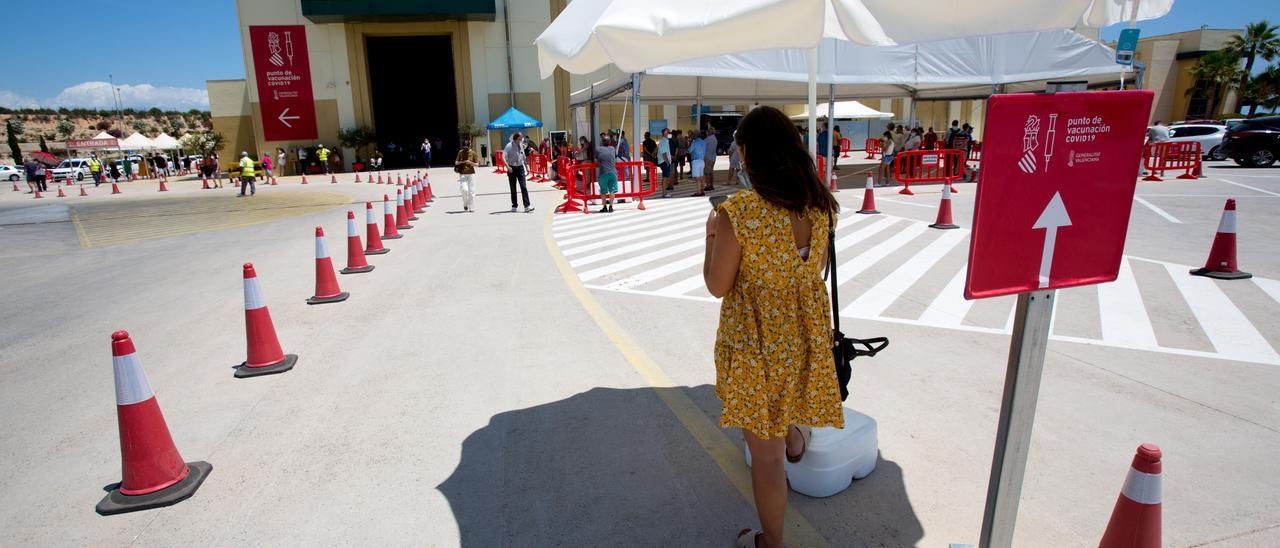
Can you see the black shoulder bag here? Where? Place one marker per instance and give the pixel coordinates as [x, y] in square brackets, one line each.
[845, 348]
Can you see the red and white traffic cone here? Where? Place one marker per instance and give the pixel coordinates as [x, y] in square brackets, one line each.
[399, 181]
[327, 290]
[379, 178]
[38, 196]
[389, 231]
[944, 211]
[333, 178]
[1222, 256]
[374, 244]
[304, 178]
[153, 473]
[357, 176]
[15, 187]
[410, 201]
[61, 194]
[82, 192]
[402, 212]
[1135, 520]
[356, 262]
[264, 356]
[431, 196]
[834, 182]
[869, 197]
[163, 188]
[115, 189]
[204, 183]
[422, 196]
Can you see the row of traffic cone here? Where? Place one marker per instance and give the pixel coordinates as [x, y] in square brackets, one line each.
[115, 189]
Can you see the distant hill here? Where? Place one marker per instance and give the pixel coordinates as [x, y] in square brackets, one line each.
[58, 125]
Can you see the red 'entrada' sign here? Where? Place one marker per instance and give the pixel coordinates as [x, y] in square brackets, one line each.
[1057, 181]
[283, 73]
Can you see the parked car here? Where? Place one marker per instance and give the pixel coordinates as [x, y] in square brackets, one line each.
[11, 173]
[1200, 123]
[1253, 143]
[73, 168]
[1209, 136]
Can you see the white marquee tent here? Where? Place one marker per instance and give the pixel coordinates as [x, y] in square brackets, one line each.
[137, 141]
[165, 142]
[846, 110]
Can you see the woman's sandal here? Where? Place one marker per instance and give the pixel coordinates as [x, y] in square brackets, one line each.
[805, 434]
[747, 538]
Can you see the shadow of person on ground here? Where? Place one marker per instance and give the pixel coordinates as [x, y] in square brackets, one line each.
[609, 467]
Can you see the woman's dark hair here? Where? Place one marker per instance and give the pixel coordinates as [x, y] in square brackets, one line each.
[780, 169]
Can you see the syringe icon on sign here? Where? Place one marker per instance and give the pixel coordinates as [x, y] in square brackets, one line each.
[288, 47]
[1048, 137]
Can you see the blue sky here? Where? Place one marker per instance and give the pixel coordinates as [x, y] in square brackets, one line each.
[161, 52]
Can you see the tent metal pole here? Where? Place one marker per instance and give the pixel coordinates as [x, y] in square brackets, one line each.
[811, 57]
[697, 107]
[831, 144]
[635, 116]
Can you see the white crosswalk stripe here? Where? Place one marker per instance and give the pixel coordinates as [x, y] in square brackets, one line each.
[659, 252]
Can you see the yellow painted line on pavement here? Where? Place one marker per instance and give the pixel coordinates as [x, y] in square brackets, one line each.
[80, 233]
[727, 455]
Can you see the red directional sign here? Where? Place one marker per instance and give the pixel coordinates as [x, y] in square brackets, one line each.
[1057, 181]
[283, 72]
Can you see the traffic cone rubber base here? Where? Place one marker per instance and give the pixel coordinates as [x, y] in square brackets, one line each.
[119, 503]
[870, 212]
[332, 299]
[405, 227]
[382, 251]
[412, 218]
[243, 371]
[1237, 275]
[358, 269]
[393, 237]
[939, 225]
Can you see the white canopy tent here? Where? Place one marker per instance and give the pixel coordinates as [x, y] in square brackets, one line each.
[164, 142]
[846, 110]
[103, 135]
[137, 141]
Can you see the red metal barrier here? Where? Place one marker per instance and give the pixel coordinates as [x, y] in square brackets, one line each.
[538, 168]
[1182, 155]
[845, 145]
[581, 185]
[822, 172]
[564, 165]
[500, 165]
[928, 166]
[873, 148]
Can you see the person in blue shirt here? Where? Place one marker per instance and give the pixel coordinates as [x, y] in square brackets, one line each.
[697, 152]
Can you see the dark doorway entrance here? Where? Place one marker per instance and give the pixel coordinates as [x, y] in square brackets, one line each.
[412, 90]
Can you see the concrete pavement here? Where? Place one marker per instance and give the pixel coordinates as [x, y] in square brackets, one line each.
[466, 395]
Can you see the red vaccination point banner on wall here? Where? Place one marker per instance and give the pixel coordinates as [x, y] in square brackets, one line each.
[283, 73]
[1055, 190]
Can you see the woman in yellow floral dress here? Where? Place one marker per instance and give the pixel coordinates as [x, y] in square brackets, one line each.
[766, 249]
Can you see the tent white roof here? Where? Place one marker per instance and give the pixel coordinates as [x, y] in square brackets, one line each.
[940, 69]
[636, 36]
[164, 142]
[847, 110]
[104, 135]
[137, 141]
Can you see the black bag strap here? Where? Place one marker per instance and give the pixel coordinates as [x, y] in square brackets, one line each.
[831, 270]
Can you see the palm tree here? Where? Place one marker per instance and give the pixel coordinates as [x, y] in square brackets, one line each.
[1214, 75]
[1264, 90]
[1261, 39]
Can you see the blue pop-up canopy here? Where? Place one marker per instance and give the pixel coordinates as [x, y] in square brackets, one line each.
[513, 119]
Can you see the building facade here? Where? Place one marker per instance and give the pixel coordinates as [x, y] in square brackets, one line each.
[1167, 61]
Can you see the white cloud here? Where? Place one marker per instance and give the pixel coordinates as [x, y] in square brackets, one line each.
[99, 95]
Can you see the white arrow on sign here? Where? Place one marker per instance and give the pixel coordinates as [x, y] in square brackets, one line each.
[285, 119]
[1053, 216]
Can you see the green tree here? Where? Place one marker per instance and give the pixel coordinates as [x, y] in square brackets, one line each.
[138, 125]
[176, 125]
[1215, 74]
[65, 127]
[1259, 40]
[13, 139]
[43, 147]
[357, 138]
[1263, 90]
[204, 141]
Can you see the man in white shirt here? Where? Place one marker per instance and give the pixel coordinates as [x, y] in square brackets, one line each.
[514, 155]
[709, 161]
[664, 162]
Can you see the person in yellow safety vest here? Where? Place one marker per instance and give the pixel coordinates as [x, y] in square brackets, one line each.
[322, 154]
[95, 169]
[246, 174]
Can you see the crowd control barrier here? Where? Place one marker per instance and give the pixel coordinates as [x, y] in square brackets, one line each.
[845, 144]
[928, 166]
[564, 167]
[581, 185]
[500, 164]
[1164, 156]
[873, 148]
[538, 168]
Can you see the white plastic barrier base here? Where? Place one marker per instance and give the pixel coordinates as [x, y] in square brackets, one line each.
[835, 457]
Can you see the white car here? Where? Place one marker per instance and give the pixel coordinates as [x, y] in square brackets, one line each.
[74, 168]
[1209, 136]
[11, 173]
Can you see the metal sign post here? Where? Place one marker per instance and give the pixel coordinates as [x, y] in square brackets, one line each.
[1030, 341]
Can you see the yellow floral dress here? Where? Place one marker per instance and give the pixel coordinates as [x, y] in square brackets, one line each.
[773, 348]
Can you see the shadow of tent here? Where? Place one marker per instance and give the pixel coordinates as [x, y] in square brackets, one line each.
[613, 466]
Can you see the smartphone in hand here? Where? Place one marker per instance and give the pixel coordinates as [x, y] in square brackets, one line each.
[717, 200]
